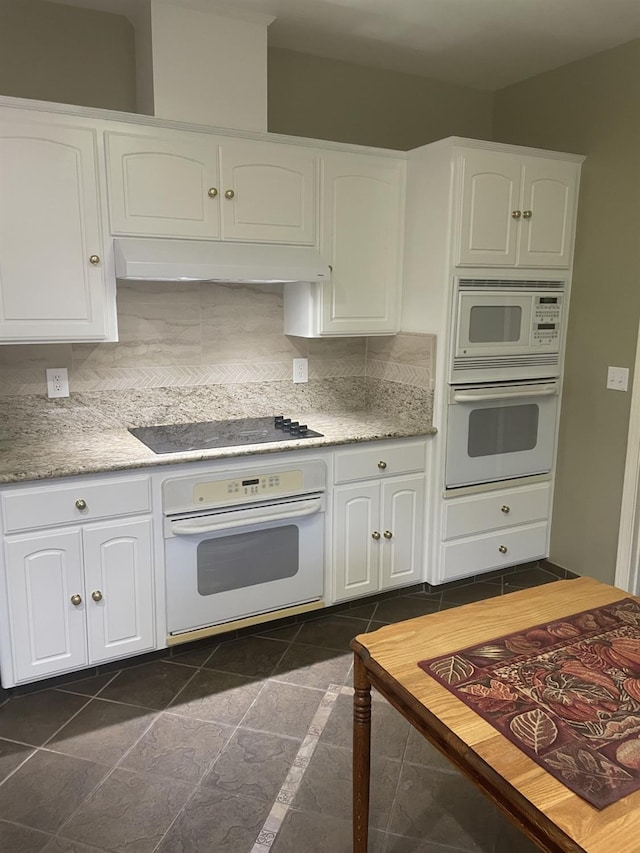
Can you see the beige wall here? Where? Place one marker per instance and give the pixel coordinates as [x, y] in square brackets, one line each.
[591, 107]
[53, 52]
[327, 99]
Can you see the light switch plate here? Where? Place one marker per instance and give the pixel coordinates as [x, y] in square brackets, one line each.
[618, 378]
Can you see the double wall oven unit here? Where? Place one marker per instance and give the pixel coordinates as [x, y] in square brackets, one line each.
[504, 380]
[243, 543]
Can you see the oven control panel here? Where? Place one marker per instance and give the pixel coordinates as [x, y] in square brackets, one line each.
[247, 487]
[242, 484]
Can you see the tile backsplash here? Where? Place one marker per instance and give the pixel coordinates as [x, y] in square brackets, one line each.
[174, 336]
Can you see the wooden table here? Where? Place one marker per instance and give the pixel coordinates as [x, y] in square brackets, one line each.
[551, 815]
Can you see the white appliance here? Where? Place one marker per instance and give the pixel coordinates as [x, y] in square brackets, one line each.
[242, 544]
[500, 431]
[148, 259]
[506, 329]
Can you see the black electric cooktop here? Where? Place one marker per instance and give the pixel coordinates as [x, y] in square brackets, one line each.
[178, 438]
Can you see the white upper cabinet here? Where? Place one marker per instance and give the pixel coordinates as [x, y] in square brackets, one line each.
[515, 211]
[171, 183]
[163, 183]
[53, 268]
[269, 192]
[361, 231]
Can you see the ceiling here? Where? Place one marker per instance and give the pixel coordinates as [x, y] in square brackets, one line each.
[486, 44]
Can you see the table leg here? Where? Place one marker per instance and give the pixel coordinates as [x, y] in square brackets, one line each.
[361, 755]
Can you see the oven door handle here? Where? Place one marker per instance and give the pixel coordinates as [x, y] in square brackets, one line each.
[471, 396]
[243, 517]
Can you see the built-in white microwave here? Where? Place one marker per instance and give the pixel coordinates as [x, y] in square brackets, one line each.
[506, 329]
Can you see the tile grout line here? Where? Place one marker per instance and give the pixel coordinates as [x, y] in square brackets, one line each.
[293, 780]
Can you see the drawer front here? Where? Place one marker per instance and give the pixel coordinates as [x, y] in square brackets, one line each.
[32, 508]
[379, 462]
[495, 510]
[479, 554]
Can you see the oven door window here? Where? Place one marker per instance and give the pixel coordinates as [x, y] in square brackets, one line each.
[495, 324]
[503, 429]
[242, 560]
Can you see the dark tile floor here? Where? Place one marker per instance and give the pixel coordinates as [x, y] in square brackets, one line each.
[239, 747]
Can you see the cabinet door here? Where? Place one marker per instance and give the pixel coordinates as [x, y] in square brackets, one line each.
[362, 226]
[119, 584]
[403, 522]
[49, 231]
[548, 211]
[43, 572]
[268, 192]
[489, 193]
[356, 552]
[163, 184]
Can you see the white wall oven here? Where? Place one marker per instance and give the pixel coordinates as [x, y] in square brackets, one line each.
[507, 329]
[242, 544]
[499, 431]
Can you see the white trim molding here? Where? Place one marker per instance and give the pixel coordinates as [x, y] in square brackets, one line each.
[628, 556]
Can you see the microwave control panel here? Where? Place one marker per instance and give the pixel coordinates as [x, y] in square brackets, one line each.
[546, 320]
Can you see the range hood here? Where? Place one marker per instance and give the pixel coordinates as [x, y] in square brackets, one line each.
[216, 260]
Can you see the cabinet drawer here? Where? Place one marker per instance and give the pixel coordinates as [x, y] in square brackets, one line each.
[479, 554]
[384, 461]
[31, 508]
[493, 511]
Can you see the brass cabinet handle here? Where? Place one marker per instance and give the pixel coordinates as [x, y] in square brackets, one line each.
[96, 595]
[76, 600]
[516, 214]
[504, 508]
[387, 534]
[212, 192]
[229, 194]
[94, 259]
[527, 214]
[80, 504]
[375, 535]
[503, 549]
[382, 465]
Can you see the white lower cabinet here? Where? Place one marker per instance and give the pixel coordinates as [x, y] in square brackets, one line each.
[378, 535]
[79, 595]
[379, 517]
[494, 530]
[119, 588]
[43, 572]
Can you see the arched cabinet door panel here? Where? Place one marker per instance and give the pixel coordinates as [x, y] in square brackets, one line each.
[53, 268]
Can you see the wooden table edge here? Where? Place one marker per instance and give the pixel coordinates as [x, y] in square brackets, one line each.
[367, 673]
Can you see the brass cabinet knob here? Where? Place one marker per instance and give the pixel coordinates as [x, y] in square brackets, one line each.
[516, 214]
[80, 504]
[96, 595]
[94, 259]
[387, 534]
[504, 508]
[375, 535]
[229, 194]
[382, 465]
[527, 214]
[76, 600]
[212, 192]
[503, 549]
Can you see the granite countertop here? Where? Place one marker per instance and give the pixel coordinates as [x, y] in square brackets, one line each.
[77, 439]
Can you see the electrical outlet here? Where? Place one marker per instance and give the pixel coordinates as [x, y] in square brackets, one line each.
[300, 369]
[618, 378]
[57, 382]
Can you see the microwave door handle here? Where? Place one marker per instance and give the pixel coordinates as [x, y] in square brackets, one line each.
[482, 396]
[242, 517]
